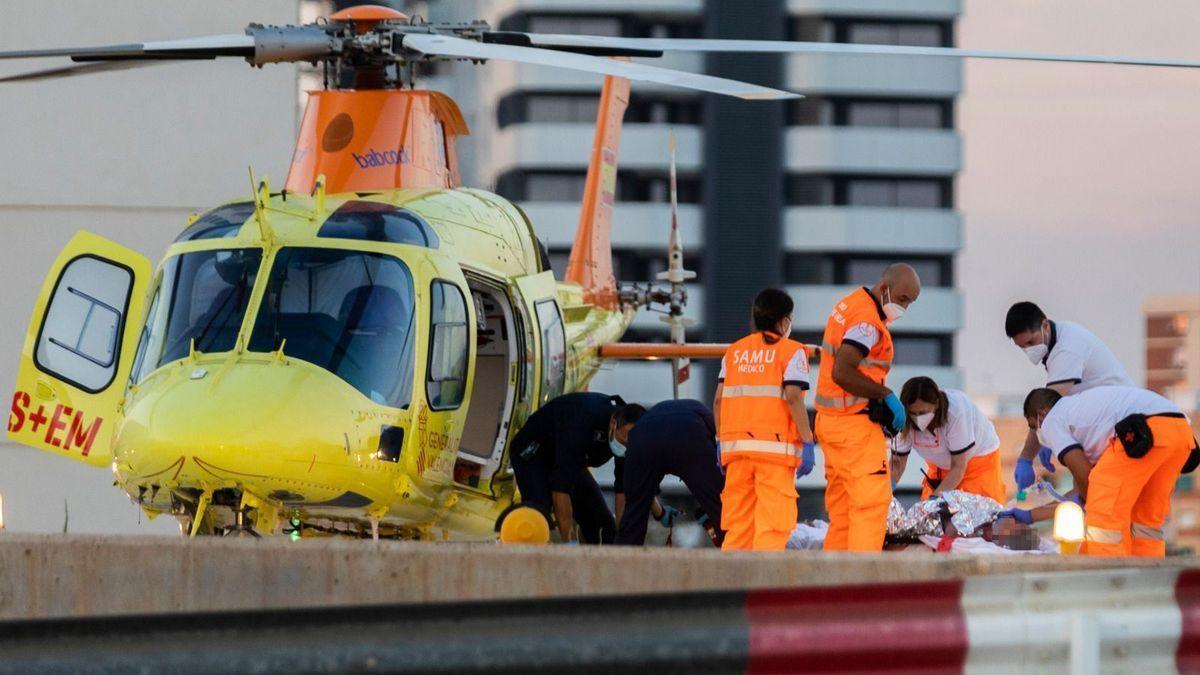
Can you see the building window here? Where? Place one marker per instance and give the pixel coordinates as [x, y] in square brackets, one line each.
[580, 108]
[871, 191]
[627, 25]
[873, 31]
[448, 347]
[871, 112]
[568, 186]
[630, 264]
[931, 349]
[858, 269]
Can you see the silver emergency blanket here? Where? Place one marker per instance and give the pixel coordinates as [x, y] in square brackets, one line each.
[967, 513]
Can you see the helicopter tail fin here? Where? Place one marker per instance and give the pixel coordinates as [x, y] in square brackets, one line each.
[590, 264]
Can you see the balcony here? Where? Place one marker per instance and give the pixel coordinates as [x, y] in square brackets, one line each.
[874, 74]
[938, 310]
[860, 228]
[635, 224]
[909, 9]
[924, 152]
[569, 146]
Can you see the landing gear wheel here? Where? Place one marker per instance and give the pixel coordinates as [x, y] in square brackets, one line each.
[523, 524]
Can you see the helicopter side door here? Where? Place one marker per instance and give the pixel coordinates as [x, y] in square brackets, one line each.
[539, 293]
[79, 350]
[449, 368]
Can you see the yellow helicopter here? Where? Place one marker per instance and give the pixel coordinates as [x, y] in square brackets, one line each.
[351, 354]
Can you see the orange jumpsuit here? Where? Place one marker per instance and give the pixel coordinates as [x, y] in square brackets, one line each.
[984, 476]
[760, 444]
[858, 486]
[1128, 499]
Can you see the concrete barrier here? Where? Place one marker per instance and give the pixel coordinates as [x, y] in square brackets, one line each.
[62, 576]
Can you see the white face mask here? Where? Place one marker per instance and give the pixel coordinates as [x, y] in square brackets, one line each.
[1037, 353]
[1041, 438]
[617, 447]
[891, 310]
[922, 421]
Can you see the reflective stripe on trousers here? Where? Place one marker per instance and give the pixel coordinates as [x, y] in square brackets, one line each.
[839, 402]
[1146, 532]
[754, 445]
[761, 390]
[1103, 536]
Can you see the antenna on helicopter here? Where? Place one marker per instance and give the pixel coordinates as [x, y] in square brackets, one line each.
[675, 276]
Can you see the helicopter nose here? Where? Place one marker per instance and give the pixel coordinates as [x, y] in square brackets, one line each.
[219, 423]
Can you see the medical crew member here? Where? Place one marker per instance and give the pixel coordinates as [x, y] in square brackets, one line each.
[552, 452]
[1126, 498]
[1075, 361]
[956, 440]
[677, 438]
[856, 357]
[763, 428]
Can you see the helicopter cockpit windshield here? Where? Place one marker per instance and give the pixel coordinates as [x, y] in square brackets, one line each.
[200, 302]
[349, 312]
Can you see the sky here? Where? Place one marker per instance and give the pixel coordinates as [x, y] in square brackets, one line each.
[1079, 184]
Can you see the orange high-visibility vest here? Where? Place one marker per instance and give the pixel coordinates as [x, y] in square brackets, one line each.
[755, 419]
[858, 307]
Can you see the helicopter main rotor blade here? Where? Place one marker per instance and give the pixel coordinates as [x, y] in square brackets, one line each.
[81, 69]
[573, 42]
[444, 45]
[205, 47]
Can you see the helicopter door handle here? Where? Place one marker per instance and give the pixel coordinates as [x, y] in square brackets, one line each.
[44, 391]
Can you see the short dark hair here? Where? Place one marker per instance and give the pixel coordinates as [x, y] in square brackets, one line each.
[1023, 316]
[923, 388]
[1040, 399]
[771, 306]
[629, 413]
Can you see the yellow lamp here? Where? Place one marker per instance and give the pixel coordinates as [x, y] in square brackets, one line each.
[1069, 527]
[524, 525]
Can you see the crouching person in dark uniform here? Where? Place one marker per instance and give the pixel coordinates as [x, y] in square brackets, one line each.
[678, 438]
[552, 452]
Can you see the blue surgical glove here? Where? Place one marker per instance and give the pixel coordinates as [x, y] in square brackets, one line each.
[806, 460]
[1044, 454]
[897, 408]
[1023, 475]
[1020, 515]
[668, 517]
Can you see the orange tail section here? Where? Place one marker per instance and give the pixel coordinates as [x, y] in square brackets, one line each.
[590, 264]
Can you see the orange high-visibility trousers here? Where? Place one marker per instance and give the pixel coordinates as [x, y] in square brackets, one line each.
[1128, 499]
[858, 484]
[758, 505]
[984, 476]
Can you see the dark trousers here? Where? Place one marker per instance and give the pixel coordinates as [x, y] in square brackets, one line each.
[689, 453]
[590, 510]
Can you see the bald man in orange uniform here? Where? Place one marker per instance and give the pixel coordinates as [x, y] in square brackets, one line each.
[852, 403]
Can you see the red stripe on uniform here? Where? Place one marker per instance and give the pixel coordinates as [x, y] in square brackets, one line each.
[1187, 595]
[911, 627]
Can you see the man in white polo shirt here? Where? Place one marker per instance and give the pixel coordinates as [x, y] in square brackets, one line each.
[1075, 361]
[1125, 447]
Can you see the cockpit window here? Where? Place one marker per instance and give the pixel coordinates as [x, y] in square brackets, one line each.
[373, 221]
[349, 312]
[221, 222]
[201, 299]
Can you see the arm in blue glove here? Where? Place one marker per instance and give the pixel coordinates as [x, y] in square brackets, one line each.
[897, 410]
[1044, 456]
[1020, 515]
[807, 460]
[669, 515]
[1023, 475]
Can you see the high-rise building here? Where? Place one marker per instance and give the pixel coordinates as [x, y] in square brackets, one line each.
[1173, 370]
[817, 194]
